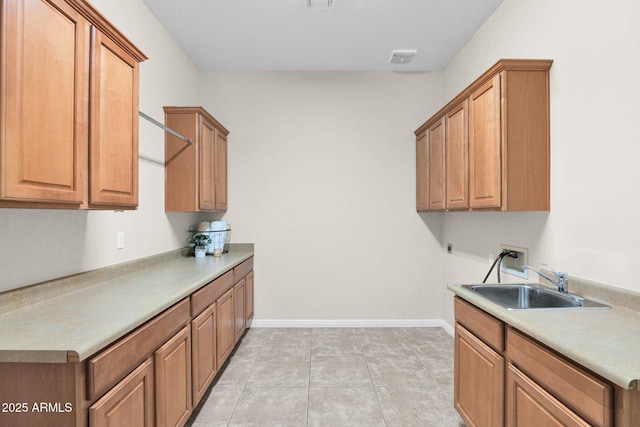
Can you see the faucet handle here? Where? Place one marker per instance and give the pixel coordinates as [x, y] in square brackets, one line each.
[559, 274]
[563, 279]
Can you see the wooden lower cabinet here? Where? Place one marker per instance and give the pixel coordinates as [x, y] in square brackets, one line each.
[203, 352]
[153, 376]
[502, 377]
[240, 305]
[173, 380]
[225, 328]
[129, 403]
[248, 299]
[529, 405]
[587, 395]
[478, 381]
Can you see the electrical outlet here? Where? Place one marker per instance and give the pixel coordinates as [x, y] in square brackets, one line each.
[449, 248]
[120, 240]
[515, 266]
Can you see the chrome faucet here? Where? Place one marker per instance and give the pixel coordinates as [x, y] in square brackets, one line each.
[563, 278]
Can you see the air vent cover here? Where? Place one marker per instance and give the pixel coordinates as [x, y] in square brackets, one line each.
[319, 4]
[402, 56]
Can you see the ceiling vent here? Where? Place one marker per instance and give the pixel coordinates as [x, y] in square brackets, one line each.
[319, 4]
[402, 56]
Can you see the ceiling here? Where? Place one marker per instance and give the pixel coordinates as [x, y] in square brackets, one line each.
[352, 35]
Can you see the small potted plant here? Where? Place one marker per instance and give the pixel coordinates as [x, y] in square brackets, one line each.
[199, 242]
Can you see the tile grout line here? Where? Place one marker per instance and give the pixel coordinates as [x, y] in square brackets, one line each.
[362, 343]
[373, 385]
[309, 382]
[244, 384]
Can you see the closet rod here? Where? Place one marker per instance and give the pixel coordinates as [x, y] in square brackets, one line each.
[171, 131]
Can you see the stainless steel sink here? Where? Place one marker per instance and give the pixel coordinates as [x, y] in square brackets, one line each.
[528, 297]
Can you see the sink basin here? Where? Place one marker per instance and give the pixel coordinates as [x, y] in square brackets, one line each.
[528, 297]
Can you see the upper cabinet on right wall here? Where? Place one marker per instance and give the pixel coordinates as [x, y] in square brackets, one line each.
[496, 140]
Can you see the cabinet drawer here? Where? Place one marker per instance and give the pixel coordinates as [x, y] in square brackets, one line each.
[483, 325]
[581, 391]
[112, 364]
[242, 270]
[208, 294]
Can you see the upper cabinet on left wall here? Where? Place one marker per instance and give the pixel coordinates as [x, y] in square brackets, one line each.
[68, 108]
[196, 173]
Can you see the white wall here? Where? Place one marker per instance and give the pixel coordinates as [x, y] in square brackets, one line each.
[38, 245]
[321, 171]
[322, 179]
[592, 230]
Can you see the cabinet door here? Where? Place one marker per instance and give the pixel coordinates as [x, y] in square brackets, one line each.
[239, 296]
[485, 174]
[113, 147]
[206, 191]
[584, 393]
[44, 109]
[529, 405]
[437, 192]
[225, 328]
[248, 300]
[203, 352]
[129, 403]
[422, 172]
[457, 157]
[478, 381]
[221, 172]
[173, 380]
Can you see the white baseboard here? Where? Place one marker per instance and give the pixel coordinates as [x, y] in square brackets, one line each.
[354, 323]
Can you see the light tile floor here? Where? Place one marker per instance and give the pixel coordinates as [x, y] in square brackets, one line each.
[335, 377]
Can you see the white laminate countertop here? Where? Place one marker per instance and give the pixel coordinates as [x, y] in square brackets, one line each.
[606, 342]
[76, 325]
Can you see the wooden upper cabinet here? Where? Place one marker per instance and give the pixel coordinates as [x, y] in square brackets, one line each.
[497, 140]
[221, 172]
[437, 191]
[456, 145]
[113, 152]
[195, 174]
[43, 102]
[207, 164]
[485, 172]
[422, 172]
[53, 73]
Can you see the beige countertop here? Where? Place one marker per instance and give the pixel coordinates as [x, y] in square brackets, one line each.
[605, 341]
[77, 324]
